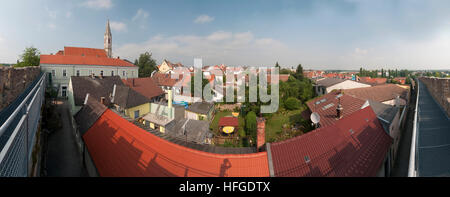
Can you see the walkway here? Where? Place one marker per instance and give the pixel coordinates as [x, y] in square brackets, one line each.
[433, 137]
[404, 148]
[63, 156]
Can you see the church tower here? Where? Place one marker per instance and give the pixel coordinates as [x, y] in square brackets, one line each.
[108, 40]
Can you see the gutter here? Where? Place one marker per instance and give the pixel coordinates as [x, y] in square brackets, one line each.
[412, 172]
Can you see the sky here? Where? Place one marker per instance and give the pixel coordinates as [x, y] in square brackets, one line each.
[319, 34]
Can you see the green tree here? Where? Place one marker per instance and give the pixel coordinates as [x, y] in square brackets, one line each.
[146, 64]
[250, 124]
[30, 57]
[277, 65]
[292, 103]
[299, 72]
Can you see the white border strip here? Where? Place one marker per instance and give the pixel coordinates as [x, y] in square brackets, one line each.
[412, 157]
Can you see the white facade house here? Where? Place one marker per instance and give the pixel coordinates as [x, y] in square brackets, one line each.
[76, 61]
[347, 84]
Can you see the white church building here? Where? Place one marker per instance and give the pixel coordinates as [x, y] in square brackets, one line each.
[77, 61]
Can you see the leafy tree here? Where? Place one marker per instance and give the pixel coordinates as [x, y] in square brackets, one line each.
[292, 103]
[30, 57]
[277, 65]
[146, 64]
[299, 72]
[250, 124]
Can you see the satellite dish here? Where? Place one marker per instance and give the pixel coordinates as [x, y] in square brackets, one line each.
[315, 118]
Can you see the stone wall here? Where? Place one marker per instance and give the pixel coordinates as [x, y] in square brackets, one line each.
[440, 90]
[13, 82]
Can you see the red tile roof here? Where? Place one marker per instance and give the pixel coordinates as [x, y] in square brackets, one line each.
[78, 51]
[228, 121]
[145, 86]
[378, 93]
[326, 106]
[83, 60]
[121, 149]
[372, 81]
[355, 146]
[163, 79]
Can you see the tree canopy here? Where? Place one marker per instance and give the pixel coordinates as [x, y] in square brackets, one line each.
[30, 57]
[146, 64]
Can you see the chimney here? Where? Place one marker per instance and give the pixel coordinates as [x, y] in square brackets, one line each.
[169, 102]
[86, 99]
[260, 132]
[102, 100]
[113, 93]
[339, 110]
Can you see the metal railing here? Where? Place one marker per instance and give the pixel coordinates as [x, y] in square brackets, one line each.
[412, 171]
[18, 125]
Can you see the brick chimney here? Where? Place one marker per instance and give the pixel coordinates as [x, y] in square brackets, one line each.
[260, 132]
[339, 110]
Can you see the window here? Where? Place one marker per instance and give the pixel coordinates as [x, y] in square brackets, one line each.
[78, 73]
[123, 73]
[112, 73]
[53, 73]
[136, 114]
[90, 72]
[64, 73]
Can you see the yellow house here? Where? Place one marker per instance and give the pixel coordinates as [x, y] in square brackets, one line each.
[167, 66]
[130, 102]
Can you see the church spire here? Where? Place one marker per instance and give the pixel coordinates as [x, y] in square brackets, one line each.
[108, 40]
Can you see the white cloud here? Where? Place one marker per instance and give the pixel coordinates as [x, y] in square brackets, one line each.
[98, 4]
[140, 15]
[68, 14]
[118, 26]
[203, 19]
[51, 26]
[219, 47]
[51, 13]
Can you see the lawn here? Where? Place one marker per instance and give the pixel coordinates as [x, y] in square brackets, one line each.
[215, 122]
[274, 125]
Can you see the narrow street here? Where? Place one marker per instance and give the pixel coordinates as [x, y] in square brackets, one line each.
[63, 158]
[402, 161]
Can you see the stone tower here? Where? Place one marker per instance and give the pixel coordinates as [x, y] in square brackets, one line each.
[108, 41]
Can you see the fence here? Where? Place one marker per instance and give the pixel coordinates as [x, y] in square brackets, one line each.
[412, 169]
[19, 123]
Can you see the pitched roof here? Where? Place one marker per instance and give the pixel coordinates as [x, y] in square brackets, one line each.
[145, 86]
[79, 51]
[163, 79]
[84, 60]
[128, 98]
[89, 114]
[326, 105]
[196, 130]
[200, 107]
[386, 113]
[228, 121]
[355, 146]
[97, 88]
[327, 82]
[378, 93]
[122, 149]
[373, 81]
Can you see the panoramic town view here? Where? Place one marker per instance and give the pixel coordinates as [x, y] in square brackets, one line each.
[187, 88]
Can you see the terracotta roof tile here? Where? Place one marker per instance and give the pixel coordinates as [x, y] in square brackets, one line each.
[79, 51]
[379, 93]
[145, 86]
[228, 121]
[355, 146]
[83, 60]
[326, 106]
[121, 149]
